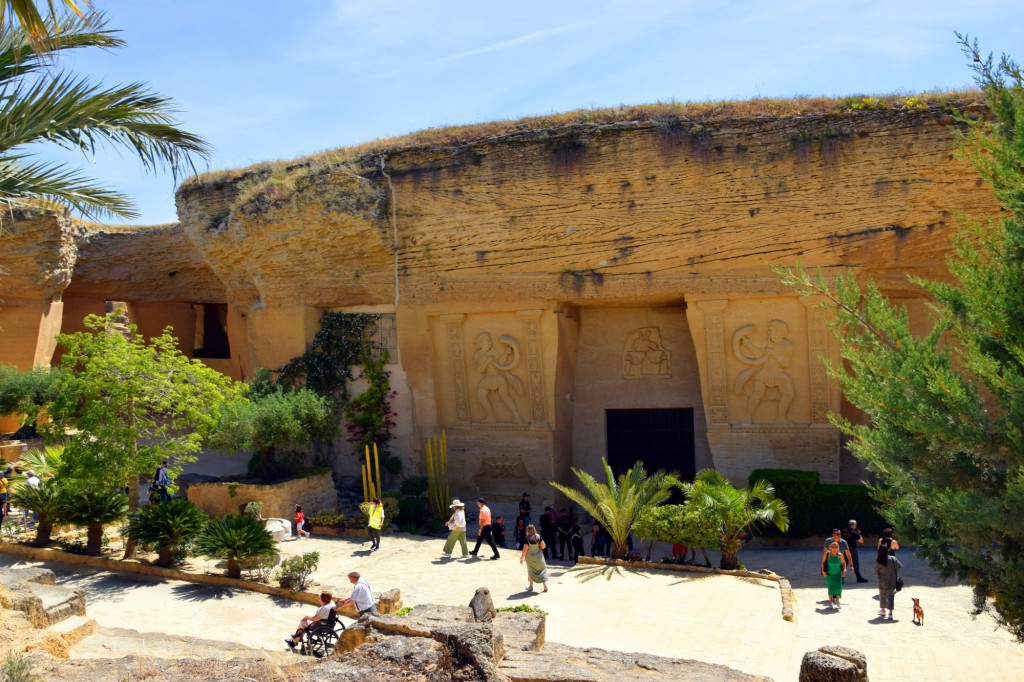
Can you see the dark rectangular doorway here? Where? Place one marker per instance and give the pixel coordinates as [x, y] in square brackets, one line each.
[660, 438]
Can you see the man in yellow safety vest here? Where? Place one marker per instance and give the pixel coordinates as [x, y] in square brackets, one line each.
[375, 523]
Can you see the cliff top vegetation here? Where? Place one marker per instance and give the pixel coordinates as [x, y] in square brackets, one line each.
[492, 131]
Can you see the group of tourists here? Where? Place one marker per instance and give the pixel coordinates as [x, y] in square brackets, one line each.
[840, 556]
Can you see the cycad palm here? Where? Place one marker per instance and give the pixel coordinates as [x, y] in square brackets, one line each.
[39, 104]
[43, 501]
[735, 510]
[236, 538]
[618, 503]
[167, 526]
[92, 509]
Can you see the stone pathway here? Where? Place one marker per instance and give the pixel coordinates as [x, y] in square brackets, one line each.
[718, 619]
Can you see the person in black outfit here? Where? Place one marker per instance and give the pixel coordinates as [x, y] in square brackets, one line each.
[576, 544]
[486, 529]
[498, 531]
[547, 533]
[853, 538]
[564, 527]
[524, 509]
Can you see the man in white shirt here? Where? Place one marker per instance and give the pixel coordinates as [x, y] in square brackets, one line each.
[457, 525]
[323, 613]
[32, 481]
[362, 596]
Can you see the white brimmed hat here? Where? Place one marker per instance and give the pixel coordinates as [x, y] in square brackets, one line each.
[455, 503]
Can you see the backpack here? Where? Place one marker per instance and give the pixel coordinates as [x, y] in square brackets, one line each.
[3, 485]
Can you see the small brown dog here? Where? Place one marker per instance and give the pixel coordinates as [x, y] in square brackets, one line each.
[918, 611]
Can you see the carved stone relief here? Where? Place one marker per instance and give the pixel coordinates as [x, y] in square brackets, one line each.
[494, 364]
[644, 356]
[768, 356]
[453, 330]
[817, 349]
[714, 335]
[534, 363]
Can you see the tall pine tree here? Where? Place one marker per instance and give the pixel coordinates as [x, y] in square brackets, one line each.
[946, 431]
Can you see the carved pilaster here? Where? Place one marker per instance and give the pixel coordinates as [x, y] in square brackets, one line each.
[714, 333]
[817, 351]
[457, 362]
[534, 363]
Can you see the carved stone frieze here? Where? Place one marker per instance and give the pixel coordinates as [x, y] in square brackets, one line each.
[817, 351]
[457, 362]
[714, 335]
[534, 363]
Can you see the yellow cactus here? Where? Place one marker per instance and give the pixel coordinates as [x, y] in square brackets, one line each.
[437, 474]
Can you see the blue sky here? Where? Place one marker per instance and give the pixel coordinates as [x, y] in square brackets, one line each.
[277, 80]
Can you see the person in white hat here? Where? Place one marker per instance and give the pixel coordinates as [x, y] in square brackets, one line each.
[457, 525]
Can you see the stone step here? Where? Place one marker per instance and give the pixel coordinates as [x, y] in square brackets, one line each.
[59, 602]
[74, 629]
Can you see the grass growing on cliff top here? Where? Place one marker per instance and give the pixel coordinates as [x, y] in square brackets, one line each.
[279, 177]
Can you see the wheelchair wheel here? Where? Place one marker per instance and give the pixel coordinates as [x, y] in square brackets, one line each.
[322, 641]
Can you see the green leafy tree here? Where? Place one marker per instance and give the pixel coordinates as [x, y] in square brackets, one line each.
[734, 511]
[26, 392]
[236, 538]
[166, 526]
[42, 104]
[276, 417]
[92, 508]
[41, 500]
[619, 502]
[678, 524]
[125, 404]
[945, 432]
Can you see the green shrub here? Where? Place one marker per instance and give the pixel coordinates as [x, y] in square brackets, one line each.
[834, 505]
[414, 486]
[92, 508]
[413, 513]
[334, 520]
[403, 611]
[294, 572]
[797, 489]
[522, 608]
[391, 510]
[17, 669]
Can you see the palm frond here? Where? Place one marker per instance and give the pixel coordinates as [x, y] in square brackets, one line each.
[21, 53]
[53, 185]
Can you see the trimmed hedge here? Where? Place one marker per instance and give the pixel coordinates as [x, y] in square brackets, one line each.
[834, 505]
[816, 508]
[797, 489]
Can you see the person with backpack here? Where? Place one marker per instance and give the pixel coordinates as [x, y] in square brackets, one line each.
[4, 490]
[887, 570]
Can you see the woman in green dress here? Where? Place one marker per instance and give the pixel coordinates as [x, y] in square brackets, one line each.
[834, 568]
[533, 554]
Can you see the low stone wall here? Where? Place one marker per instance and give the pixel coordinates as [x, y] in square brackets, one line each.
[387, 602]
[315, 493]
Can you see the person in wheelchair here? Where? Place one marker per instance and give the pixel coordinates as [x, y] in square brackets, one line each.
[323, 613]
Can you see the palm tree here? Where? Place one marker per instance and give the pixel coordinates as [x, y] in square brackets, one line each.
[92, 509]
[236, 538]
[167, 526]
[43, 463]
[43, 501]
[39, 103]
[618, 503]
[29, 20]
[735, 510]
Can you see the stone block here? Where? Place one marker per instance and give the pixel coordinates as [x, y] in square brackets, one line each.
[833, 664]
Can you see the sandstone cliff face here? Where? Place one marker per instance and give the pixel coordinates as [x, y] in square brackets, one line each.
[600, 213]
[142, 264]
[39, 253]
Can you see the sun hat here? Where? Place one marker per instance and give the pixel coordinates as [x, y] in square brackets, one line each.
[455, 503]
[853, 522]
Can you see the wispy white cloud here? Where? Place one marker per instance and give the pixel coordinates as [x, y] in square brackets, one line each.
[515, 42]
